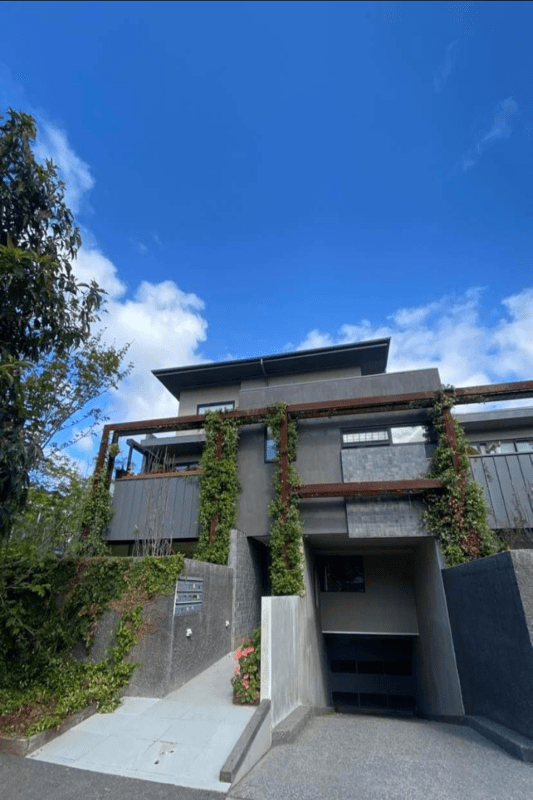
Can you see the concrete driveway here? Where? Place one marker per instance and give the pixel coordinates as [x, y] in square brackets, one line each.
[346, 757]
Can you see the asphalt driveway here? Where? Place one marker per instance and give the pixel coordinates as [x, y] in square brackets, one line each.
[344, 757]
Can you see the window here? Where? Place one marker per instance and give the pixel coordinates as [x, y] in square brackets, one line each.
[341, 574]
[501, 448]
[408, 434]
[270, 447]
[365, 437]
[203, 408]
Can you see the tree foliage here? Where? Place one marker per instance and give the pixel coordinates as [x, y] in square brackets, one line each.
[50, 367]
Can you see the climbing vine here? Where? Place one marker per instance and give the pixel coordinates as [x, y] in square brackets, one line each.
[219, 488]
[458, 515]
[286, 547]
[48, 606]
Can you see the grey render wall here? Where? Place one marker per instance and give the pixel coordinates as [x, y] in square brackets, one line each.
[190, 398]
[245, 560]
[387, 605]
[293, 665]
[490, 604]
[328, 388]
[438, 686]
[169, 658]
[168, 505]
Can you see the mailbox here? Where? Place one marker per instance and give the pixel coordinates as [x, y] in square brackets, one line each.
[189, 596]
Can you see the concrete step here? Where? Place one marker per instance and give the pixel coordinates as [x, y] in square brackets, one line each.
[514, 743]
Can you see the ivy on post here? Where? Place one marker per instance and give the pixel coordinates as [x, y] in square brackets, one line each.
[457, 516]
[219, 487]
[286, 567]
[218, 456]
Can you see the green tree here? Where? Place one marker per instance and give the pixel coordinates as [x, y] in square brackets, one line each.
[45, 315]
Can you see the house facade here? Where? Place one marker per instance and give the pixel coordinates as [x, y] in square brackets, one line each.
[375, 593]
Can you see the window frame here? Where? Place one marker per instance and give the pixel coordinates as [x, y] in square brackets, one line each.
[388, 442]
[223, 405]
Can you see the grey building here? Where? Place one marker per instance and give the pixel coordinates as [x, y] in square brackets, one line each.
[373, 574]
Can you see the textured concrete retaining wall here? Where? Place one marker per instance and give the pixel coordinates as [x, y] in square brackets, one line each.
[438, 686]
[292, 653]
[245, 560]
[490, 603]
[168, 658]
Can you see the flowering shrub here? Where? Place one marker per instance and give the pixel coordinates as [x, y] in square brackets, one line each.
[247, 678]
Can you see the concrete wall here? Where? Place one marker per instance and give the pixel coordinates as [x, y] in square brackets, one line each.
[249, 566]
[166, 506]
[438, 686]
[386, 606]
[168, 658]
[300, 377]
[341, 388]
[490, 604]
[191, 398]
[293, 666]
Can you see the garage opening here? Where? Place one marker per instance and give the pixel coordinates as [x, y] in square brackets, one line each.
[371, 672]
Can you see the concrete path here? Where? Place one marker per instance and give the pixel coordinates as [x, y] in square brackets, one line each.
[345, 757]
[182, 739]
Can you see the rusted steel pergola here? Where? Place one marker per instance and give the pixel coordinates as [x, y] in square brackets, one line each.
[332, 408]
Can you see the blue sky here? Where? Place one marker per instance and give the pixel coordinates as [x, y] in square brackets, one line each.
[255, 177]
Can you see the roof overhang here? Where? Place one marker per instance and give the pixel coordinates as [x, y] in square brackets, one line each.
[370, 356]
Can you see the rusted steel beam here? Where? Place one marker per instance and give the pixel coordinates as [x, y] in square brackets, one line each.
[100, 461]
[412, 400]
[452, 439]
[368, 488]
[284, 460]
[184, 423]
[358, 405]
[517, 390]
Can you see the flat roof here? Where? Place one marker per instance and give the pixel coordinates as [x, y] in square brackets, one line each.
[370, 356]
[498, 418]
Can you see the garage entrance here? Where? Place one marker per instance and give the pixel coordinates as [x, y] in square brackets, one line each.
[371, 672]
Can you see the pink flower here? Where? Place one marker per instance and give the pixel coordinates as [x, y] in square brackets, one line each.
[237, 670]
[237, 655]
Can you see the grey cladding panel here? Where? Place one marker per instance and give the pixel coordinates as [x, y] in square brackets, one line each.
[508, 484]
[166, 506]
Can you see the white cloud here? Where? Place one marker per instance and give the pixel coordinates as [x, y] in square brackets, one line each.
[164, 326]
[446, 69]
[52, 143]
[501, 127]
[452, 335]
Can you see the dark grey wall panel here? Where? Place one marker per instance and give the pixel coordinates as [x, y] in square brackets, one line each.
[168, 506]
[342, 388]
[491, 636]
[508, 484]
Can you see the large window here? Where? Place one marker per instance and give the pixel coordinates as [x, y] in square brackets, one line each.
[227, 405]
[407, 434]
